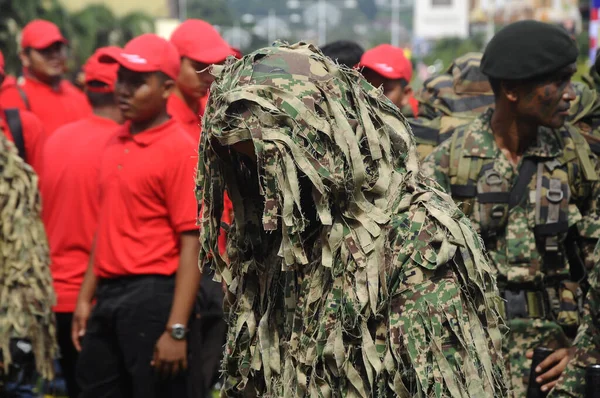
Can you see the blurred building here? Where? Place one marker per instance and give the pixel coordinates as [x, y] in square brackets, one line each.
[155, 8]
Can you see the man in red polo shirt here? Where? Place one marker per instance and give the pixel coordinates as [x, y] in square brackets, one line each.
[43, 91]
[70, 192]
[23, 128]
[386, 66]
[199, 46]
[144, 275]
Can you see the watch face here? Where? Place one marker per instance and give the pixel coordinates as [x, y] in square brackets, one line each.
[178, 332]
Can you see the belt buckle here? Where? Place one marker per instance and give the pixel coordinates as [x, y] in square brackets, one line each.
[516, 304]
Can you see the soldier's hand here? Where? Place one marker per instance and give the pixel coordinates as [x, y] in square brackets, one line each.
[170, 355]
[80, 318]
[551, 368]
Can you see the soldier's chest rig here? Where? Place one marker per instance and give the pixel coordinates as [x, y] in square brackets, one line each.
[539, 203]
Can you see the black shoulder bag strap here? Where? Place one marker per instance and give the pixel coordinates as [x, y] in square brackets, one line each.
[13, 119]
[23, 96]
[518, 191]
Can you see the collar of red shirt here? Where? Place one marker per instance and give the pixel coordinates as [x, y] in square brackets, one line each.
[59, 88]
[183, 113]
[147, 137]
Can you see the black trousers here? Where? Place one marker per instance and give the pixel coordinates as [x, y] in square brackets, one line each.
[129, 316]
[68, 353]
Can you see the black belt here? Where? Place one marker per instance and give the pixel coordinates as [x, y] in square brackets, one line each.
[525, 304]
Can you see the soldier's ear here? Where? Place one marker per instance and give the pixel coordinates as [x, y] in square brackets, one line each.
[509, 91]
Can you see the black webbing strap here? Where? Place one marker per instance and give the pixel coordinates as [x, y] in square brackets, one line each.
[13, 120]
[517, 193]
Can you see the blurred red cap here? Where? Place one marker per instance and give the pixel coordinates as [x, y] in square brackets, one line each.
[146, 53]
[389, 61]
[100, 71]
[1, 64]
[40, 34]
[200, 41]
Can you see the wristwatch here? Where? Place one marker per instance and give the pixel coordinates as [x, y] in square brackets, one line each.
[177, 331]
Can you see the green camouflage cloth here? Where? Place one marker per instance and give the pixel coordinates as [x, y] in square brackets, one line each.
[585, 113]
[26, 293]
[348, 275]
[450, 99]
[587, 342]
[516, 255]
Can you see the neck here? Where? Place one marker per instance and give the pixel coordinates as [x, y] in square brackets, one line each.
[49, 81]
[191, 103]
[110, 112]
[139, 126]
[512, 135]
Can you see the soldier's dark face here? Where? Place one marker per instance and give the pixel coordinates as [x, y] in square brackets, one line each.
[141, 96]
[546, 102]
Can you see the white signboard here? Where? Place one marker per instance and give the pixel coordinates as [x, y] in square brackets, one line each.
[435, 19]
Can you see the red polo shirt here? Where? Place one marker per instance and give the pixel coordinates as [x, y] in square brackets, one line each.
[187, 118]
[54, 107]
[69, 190]
[33, 137]
[147, 200]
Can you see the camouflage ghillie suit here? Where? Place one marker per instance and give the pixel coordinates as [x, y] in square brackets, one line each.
[354, 279]
[585, 114]
[449, 100]
[535, 239]
[26, 294]
[587, 342]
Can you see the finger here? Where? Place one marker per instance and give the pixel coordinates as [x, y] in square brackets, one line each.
[549, 386]
[553, 373]
[184, 363]
[174, 368]
[549, 361]
[165, 369]
[75, 338]
[529, 354]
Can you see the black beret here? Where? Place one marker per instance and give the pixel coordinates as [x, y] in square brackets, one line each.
[527, 49]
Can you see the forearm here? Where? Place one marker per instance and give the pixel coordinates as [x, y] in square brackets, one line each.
[90, 280]
[187, 280]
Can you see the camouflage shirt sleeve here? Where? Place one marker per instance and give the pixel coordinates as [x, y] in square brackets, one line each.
[587, 343]
[589, 224]
[437, 165]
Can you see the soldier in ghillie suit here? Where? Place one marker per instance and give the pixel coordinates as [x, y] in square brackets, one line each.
[529, 183]
[449, 100]
[26, 296]
[348, 275]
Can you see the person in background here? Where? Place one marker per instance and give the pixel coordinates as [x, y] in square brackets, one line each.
[344, 52]
[143, 273]
[43, 91]
[23, 128]
[387, 67]
[200, 46]
[71, 159]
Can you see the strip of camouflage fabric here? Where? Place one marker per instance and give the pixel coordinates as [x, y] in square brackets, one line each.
[349, 276]
[26, 293]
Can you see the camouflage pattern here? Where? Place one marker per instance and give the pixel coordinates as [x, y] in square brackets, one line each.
[516, 256]
[26, 293]
[450, 99]
[585, 113]
[355, 279]
[587, 342]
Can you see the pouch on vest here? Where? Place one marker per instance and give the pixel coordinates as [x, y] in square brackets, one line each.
[493, 196]
[570, 298]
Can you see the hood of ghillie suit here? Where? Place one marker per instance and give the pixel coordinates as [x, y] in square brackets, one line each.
[26, 293]
[341, 302]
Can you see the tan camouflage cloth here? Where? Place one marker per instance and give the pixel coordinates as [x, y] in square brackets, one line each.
[26, 294]
[587, 342]
[349, 276]
[541, 247]
[585, 113]
[450, 99]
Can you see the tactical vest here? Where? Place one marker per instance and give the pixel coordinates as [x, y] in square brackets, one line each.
[556, 180]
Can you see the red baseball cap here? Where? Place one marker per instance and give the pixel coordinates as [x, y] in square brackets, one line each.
[40, 34]
[200, 41]
[389, 61]
[1, 64]
[146, 53]
[99, 71]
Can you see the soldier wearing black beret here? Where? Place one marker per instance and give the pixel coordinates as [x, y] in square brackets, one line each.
[527, 181]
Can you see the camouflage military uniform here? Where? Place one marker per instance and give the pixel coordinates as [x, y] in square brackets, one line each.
[449, 100]
[585, 114]
[535, 240]
[354, 279]
[26, 294]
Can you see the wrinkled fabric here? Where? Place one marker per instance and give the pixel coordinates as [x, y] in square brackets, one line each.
[449, 100]
[585, 113]
[517, 257]
[26, 294]
[349, 277]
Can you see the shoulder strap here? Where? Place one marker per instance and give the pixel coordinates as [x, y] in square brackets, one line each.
[526, 171]
[583, 151]
[24, 97]
[13, 120]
